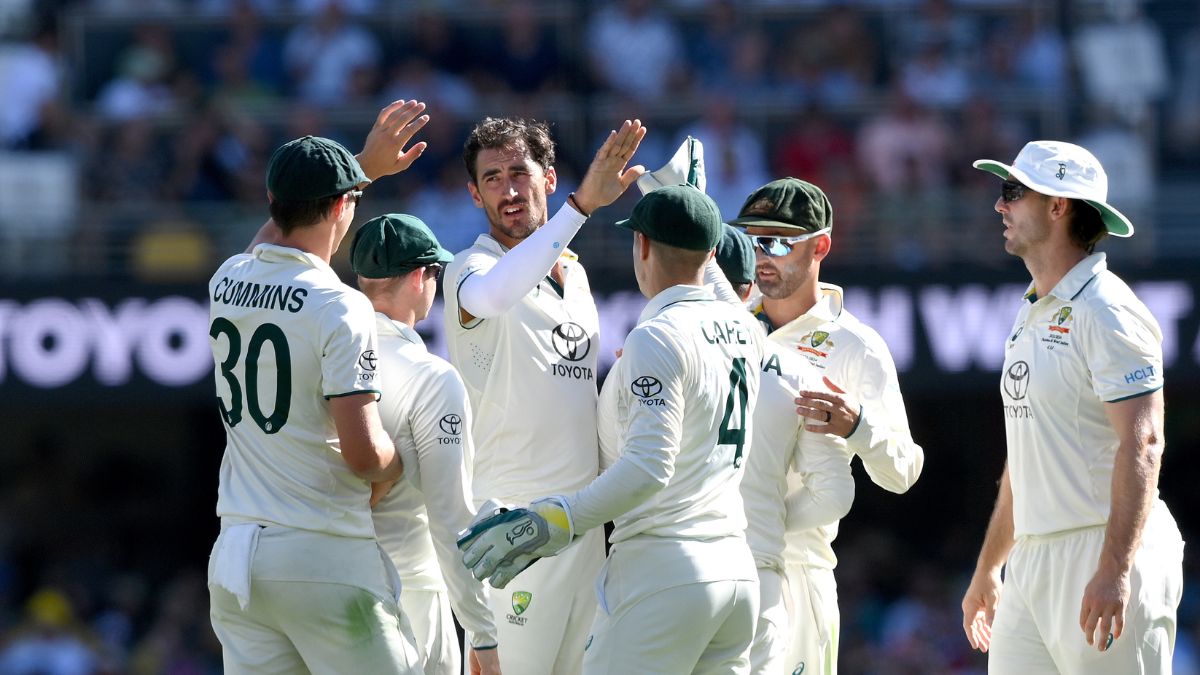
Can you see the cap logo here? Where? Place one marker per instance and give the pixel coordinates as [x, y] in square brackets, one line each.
[761, 207]
[1062, 171]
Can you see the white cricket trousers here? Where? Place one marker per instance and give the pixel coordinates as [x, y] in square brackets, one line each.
[651, 621]
[544, 614]
[798, 622]
[1036, 629]
[318, 603]
[428, 613]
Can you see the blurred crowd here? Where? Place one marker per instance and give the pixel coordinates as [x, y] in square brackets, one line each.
[900, 616]
[161, 113]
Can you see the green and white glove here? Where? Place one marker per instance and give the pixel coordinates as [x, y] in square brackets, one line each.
[501, 542]
[687, 166]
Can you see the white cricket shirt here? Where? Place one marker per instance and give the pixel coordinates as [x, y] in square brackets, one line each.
[685, 389]
[425, 409]
[287, 336]
[795, 479]
[1087, 342]
[531, 378]
[854, 357]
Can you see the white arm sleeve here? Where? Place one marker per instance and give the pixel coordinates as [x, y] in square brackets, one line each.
[892, 459]
[445, 464]
[828, 490]
[488, 293]
[715, 280]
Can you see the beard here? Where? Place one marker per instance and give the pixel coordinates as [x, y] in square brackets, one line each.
[520, 227]
[779, 286]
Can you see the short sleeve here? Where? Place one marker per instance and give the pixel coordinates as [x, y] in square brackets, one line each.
[348, 343]
[1122, 344]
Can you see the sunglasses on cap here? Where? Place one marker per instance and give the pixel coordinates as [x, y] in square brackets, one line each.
[775, 247]
[1011, 191]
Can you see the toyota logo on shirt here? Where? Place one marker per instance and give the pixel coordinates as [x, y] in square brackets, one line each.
[571, 341]
[451, 424]
[1016, 381]
[646, 387]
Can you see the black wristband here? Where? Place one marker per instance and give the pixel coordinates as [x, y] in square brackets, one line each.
[575, 205]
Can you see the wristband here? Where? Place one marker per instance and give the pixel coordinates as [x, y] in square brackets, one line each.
[575, 205]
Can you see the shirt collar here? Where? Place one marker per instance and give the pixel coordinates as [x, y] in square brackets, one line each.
[275, 253]
[1073, 283]
[672, 295]
[828, 308]
[384, 325]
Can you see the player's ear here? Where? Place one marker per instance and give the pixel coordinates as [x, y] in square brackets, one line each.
[821, 247]
[643, 245]
[551, 180]
[475, 197]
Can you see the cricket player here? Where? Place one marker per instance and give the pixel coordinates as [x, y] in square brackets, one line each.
[790, 222]
[297, 580]
[1092, 557]
[678, 593]
[523, 332]
[425, 409]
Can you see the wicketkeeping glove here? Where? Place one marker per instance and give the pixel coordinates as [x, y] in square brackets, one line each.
[687, 166]
[501, 542]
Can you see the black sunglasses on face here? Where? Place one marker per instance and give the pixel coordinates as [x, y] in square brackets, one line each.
[1011, 191]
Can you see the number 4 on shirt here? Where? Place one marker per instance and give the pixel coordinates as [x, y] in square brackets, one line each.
[729, 434]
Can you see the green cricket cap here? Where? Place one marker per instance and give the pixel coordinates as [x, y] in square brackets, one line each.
[394, 244]
[312, 168]
[735, 255]
[677, 215]
[787, 203]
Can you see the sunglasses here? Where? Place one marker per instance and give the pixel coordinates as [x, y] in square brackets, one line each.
[433, 270]
[355, 195]
[781, 246]
[1011, 191]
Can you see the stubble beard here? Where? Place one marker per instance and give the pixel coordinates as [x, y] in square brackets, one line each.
[520, 230]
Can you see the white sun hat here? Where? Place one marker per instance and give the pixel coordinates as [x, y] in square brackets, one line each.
[1062, 169]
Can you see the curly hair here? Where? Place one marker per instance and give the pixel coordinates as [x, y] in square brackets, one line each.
[509, 133]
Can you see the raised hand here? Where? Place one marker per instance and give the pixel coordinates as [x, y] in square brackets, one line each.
[607, 178]
[384, 153]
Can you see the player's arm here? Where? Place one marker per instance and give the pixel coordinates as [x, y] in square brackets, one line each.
[979, 603]
[445, 453]
[488, 293]
[828, 490]
[1139, 425]
[502, 544]
[366, 447]
[607, 419]
[652, 434]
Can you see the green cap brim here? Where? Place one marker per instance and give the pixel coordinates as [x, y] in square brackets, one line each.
[755, 221]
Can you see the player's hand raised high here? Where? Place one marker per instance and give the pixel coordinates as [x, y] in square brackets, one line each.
[384, 153]
[607, 178]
